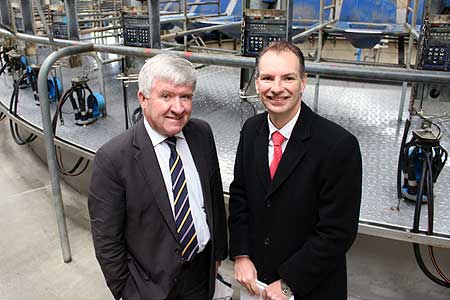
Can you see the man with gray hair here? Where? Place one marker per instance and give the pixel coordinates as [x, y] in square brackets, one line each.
[156, 199]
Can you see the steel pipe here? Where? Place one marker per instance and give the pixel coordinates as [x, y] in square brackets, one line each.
[310, 31]
[154, 22]
[412, 30]
[198, 30]
[322, 68]
[50, 143]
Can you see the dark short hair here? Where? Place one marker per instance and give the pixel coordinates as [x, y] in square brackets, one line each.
[283, 46]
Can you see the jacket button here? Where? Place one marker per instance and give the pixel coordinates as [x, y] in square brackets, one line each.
[267, 241]
[175, 280]
[177, 251]
[268, 204]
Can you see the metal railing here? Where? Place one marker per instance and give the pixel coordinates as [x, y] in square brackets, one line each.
[76, 47]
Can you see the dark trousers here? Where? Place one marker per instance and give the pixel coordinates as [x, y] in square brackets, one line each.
[193, 282]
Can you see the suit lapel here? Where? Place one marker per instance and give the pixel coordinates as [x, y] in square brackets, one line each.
[196, 146]
[295, 150]
[147, 161]
[261, 154]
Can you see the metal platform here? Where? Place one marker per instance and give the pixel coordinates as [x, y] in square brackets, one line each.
[368, 110]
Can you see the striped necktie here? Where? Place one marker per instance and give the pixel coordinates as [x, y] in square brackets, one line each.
[183, 217]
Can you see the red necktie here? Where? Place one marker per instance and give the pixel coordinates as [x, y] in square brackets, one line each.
[277, 139]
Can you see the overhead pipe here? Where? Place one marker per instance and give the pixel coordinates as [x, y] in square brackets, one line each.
[322, 68]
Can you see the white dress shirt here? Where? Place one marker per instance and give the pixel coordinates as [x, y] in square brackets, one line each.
[194, 186]
[286, 131]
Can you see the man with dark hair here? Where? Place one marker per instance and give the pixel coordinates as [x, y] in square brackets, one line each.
[296, 193]
[156, 199]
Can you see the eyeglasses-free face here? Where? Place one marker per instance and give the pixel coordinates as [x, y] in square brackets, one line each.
[280, 85]
[168, 107]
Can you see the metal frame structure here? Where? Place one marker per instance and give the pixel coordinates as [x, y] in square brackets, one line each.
[333, 70]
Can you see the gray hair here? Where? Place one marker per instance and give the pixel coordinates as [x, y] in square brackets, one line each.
[167, 67]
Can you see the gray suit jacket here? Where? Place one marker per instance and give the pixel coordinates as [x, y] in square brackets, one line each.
[133, 228]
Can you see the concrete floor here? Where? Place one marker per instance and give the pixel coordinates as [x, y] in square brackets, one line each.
[31, 260]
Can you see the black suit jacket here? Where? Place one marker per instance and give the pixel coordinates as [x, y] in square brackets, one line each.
[299, 226]
[133, 228]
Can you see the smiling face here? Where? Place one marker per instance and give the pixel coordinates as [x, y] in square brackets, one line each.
[280, 85]
[168, 107]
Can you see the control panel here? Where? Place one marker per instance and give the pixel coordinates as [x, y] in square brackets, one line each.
[434, 54]
[59, 24]
[136, 30]
[259, 31]
[435, 39]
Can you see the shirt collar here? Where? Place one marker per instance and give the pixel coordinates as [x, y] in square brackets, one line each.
[286, 130]
[155, 136]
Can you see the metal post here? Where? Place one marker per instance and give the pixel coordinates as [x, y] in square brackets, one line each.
[50, 143]
[116, 15]
[318, 58]
[319, 42]
[412, 30]
[185, 25]
[289, 14]
[153, 17]
[316, 94]
[72, 21]
[26, 8]
[5, 13]
[411, 35]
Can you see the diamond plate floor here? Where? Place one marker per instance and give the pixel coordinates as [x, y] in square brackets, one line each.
[368, 110]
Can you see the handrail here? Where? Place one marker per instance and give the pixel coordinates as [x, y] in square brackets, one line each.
[50, 142]
[335, 70]
[323, 68]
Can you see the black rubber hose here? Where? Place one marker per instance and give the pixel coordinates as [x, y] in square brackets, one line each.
[416, 247]
[401, 159]
[59, 108]
[13, 110]
[60, 165]
[3, 68]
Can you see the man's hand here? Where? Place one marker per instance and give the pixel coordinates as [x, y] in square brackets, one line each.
[273, 292]
[245, 274]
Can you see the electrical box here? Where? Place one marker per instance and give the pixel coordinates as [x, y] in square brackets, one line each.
[260, 28]
[136, 30]
[434, 54]
[436, 45]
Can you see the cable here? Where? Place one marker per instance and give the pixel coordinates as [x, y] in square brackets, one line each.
[3, 68]
[428, 177]
[401, 159]
[431, 216]
[18, 139]
[75, 170]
